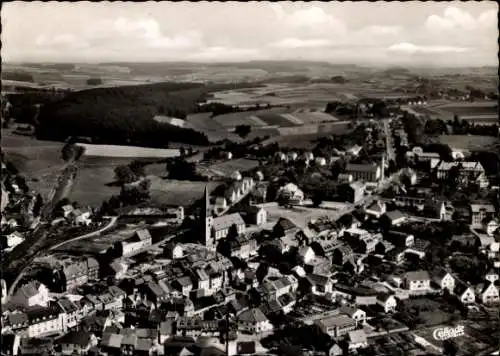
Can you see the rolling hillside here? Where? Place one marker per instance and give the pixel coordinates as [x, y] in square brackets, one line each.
[124, 115]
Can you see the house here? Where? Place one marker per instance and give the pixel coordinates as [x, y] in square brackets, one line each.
[355, 313]
[353, 192]
[306, 254]
[364, 172]
[31, 294]
[77, 342]
[254, 321]
[345, 178]
[357, 339]
[292, 156]
[489, 294]
[66, 210]
[259, 176]
[320, 285]
[320, 161]
[221, 203]
[377, 209]
[222, 224]
[81, 216]
[285, 227]
[291, 193]
[400, 239]
[165, 330]
[183, 285]
[336, 326]
[78, 271]
[491, 226]
[236, 175]
[155, 293]
[354, 150]
[256, 215]
[465, 293]
[335, 350]
[443, 279]
[242, 247]
[342, 254]
[12, 240]
[466, 170]
[480, 212]
[280, 156]
[417, 280]
[444, 210]
[70, 313]
[111, 343]
[174, 251]
[394, 218]
[16, 321]
[491, 276]
[139, 242]
[387, 301]
[44, 321]
[196, 326]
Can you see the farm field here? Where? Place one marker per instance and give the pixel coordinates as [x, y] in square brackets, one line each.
[471, 143]
[39, 161]
[127, 151]
[226, 168]
[247, 118]
[175, 192]
[91, 186]
[214, 130]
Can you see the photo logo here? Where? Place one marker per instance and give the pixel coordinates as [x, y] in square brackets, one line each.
[448, 333]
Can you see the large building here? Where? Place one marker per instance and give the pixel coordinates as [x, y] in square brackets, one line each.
[366, 172]
[219, 227]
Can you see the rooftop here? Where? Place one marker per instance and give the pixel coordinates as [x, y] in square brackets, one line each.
[226, 221]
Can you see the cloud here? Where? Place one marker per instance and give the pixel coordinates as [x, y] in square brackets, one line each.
[299, 43]
[455, 18]
[348, 32]
[411, 48]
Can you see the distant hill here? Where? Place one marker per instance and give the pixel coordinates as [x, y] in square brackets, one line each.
[124, 115]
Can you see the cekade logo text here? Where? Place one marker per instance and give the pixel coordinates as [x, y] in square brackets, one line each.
[448, 333]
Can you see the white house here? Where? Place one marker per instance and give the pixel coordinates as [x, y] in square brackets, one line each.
[377, 209]
[44, 322]
[387, 302]
[417, 280]
[320, 285]
[320, 161]
[491, 276]
[292, 156]
[355, 313]
[254, 321]
[13, 239]
[256, 215]
[491, 226]
[236, 175]
[490, 294]
[357, 339]
[443, 279]
[292, 193]
[32, 294]
[306, 254]
[174, 251]
[465, 293]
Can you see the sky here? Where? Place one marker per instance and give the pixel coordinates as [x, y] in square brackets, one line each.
[421, 33]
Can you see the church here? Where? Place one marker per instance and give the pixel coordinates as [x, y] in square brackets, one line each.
[215, 229]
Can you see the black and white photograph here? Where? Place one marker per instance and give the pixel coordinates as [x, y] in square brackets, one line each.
[222, 178]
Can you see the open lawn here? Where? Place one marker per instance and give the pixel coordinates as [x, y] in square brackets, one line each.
[251, 118]
[226, 168]
[128, 151]
[92, 185]
[39, 161]
[175, 192]
[472, 142]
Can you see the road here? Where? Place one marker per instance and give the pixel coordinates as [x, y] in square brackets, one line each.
[389, 143]
[111, 223]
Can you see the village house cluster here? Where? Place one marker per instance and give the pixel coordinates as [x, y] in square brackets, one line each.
[254, 274]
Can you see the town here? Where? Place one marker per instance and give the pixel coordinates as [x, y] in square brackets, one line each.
[377, 234]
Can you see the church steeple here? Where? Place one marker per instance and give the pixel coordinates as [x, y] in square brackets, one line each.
[206, 220]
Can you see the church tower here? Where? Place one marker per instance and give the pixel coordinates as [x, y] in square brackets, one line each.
[207, 221]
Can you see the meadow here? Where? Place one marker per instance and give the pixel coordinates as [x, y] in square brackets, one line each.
[39, 162]
[176, 192]
[116, 151]
[471, 143]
